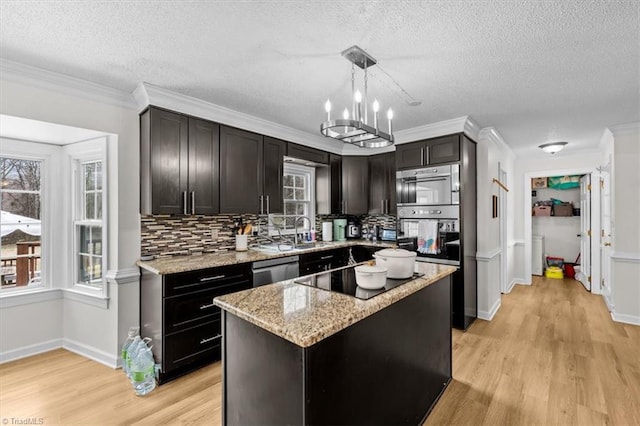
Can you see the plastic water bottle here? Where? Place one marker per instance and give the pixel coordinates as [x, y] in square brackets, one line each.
[131, 352]
[133, 332]
[143, 377]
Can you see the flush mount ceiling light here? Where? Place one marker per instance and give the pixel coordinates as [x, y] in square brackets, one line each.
[357, 130]
[552, 147]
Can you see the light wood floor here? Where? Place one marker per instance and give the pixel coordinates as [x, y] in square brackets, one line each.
[552, 355]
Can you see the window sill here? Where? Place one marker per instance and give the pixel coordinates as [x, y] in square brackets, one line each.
[29, 296]
[97, 300]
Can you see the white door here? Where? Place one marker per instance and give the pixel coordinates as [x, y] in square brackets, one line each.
[585, 232]
[605, 233]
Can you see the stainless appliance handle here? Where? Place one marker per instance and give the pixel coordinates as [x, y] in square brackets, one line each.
[184, 202]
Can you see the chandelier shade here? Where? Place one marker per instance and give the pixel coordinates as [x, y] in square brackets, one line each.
[355, 129]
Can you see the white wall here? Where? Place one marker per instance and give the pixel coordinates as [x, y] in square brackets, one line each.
[625, 259]
[93, 330]
[491, 152]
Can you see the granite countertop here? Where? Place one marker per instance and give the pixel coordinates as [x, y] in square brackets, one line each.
[176, 264]
[305, 315]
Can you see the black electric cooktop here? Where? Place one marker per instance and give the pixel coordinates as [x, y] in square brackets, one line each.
[343, 280]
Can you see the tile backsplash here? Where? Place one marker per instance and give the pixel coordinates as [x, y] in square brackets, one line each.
[166, 235]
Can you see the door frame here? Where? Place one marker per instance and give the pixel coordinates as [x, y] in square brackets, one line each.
[595, 221]
[502, 212]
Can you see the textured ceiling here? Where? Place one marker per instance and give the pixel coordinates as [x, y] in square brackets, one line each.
[534, 70]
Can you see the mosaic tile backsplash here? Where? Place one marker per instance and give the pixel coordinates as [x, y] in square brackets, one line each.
[165, 235]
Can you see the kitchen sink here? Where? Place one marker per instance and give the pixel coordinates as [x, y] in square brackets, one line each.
[285, 248]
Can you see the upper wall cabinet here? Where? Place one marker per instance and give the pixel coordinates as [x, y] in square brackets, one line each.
[355, 185]
[329, 187]
[445, 149]
[307, 153]
[382, 183]
[178, 164]
[250, 172]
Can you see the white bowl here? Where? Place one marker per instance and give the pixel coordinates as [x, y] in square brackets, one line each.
[371, 277]
[400, 262]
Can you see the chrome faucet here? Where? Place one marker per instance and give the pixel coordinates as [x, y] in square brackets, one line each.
[295, 224]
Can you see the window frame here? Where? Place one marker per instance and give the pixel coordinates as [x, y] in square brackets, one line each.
[81, 153]
[48, 155]
[309, 173]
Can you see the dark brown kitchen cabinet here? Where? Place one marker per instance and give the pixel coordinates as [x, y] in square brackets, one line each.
[178, 163]
[272, 169]
[382, 183]
[355, 185]
[250, 172]
[312, 263]
[329, 187]
[178, 314]
[444, 149]
[307, 153]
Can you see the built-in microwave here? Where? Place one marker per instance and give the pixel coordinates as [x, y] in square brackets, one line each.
[438, 185]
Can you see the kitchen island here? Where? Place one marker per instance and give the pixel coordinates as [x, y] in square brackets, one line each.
[297, 354]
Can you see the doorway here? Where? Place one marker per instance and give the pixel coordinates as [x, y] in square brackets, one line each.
[594, 244]
[502, 212]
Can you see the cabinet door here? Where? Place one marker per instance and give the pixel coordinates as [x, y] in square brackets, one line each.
[355, 184]
[168, 153]
[204, 154]
[307, 153]
[410, 155]
[273, 161]
[391, 182]
[443, 150]
[240, 171]
[335, 174]
[377, 184]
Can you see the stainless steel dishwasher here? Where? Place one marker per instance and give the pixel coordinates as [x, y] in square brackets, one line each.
[274, 270]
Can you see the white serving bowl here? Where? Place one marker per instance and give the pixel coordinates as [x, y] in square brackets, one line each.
[371, 277]
[399, 262]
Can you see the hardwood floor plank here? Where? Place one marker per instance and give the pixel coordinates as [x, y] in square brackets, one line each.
[551, 355]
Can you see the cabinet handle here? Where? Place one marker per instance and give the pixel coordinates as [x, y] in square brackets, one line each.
[326, 257]
[210, 305]
[428, 152]
[382, 206]
[184, 202]
[193, 202]
[261, 204]
[267, 205]
[217, 277]
[422, 156]
[203, 341]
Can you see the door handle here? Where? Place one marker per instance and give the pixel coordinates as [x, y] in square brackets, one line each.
[607, 244]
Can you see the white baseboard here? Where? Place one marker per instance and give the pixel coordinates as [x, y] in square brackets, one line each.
[511, 285]
[627, 319]
[522, 281]
[488, 316]
[30, 350]
[90, 352]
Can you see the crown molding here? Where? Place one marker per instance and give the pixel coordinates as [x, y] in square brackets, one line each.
[447, 127]
[625, 129]
[471, 128]
[492, 135]
[49, 80]
[148, 94]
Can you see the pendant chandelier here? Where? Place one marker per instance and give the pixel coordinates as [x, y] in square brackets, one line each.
[356, 130]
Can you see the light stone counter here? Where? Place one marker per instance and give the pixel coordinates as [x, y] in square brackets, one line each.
[305, 315]
[176, 264]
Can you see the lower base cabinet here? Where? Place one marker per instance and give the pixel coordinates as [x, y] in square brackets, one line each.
[178, 314]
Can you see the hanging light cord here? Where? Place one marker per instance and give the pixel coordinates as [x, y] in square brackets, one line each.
[414, 101]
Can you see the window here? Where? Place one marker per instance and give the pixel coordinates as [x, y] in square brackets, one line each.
[20, 226]
[88, 225]
[299, 198]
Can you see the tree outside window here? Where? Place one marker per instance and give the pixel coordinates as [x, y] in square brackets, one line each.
[20, 226]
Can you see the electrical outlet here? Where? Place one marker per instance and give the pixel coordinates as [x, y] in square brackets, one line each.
[214, 234]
